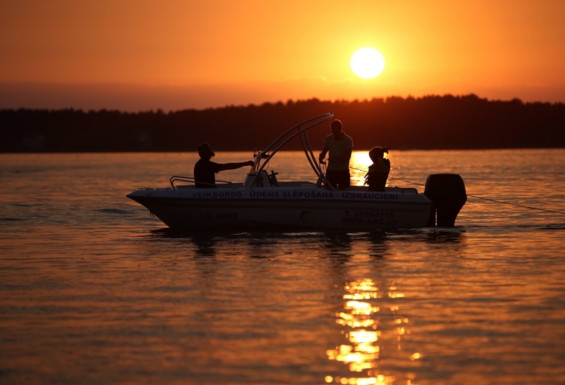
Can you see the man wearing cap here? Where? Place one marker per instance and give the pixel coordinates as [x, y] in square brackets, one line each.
[205, 169]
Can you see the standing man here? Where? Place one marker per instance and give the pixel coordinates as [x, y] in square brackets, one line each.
[339, 145]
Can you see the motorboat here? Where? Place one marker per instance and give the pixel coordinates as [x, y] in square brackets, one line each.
[262, 202]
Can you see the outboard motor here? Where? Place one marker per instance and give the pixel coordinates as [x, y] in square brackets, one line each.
[448, 195]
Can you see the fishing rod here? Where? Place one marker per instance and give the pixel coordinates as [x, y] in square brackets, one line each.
[480, 197]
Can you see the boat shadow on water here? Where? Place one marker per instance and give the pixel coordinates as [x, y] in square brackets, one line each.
[336, 242]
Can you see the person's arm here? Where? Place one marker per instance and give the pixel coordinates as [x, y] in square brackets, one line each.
[324, 151]
[233, 166]
[322, 155]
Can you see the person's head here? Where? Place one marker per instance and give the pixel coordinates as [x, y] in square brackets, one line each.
[205, 151]
[377, 153]
[336, 128]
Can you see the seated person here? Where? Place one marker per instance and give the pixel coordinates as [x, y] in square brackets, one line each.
[378, 172]
[204, 169]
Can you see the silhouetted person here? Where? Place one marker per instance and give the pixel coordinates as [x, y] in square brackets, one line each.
[378, 172]
[204, 169]
[339, 145]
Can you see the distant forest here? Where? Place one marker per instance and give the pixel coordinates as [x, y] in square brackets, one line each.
[430, 122]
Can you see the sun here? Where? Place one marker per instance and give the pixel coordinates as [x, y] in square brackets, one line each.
[367, 63]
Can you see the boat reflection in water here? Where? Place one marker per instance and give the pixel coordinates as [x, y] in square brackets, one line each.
[372, 333]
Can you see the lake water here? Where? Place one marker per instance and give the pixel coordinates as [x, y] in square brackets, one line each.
[93, 290]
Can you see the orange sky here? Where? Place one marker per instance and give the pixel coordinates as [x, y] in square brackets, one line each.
[173, 54]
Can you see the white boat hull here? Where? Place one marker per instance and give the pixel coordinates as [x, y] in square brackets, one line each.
[292, 208]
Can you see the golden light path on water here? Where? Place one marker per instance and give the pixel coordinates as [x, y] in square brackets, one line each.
[362, 323]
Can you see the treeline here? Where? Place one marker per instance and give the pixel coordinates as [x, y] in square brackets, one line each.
[430, 122]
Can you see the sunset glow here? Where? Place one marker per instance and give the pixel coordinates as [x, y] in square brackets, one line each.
[180, 54]
[367, 63]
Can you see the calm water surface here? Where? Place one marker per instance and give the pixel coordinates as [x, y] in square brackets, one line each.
[93, 290]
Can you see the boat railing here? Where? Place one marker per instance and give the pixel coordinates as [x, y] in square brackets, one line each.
[179, 178]
[192, 181]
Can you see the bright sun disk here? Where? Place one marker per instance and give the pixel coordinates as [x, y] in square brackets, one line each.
[367, 63]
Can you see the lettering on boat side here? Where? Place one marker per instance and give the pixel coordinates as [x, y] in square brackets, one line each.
[226, 215]
[307, 194]
[220, 215]
[264, 194]
[296, 194]
[369, 217]
[322, 194]
[369, 195]
[217, 194]
[290, 194]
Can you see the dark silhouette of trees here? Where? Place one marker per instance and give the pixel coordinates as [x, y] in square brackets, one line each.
[429, 122]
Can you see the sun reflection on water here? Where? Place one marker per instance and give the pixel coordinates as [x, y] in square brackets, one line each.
[361, 321]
